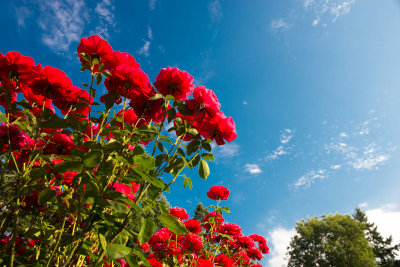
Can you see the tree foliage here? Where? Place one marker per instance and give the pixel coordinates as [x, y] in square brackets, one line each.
[333, 240]
[200, 212]
[384, 252]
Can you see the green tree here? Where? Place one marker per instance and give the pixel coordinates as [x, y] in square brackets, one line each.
[333, 240]
[200, 212]
[384, 252]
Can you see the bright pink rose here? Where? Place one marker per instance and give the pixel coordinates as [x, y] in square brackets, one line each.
[192, 242]
[172, 81]
[149, 110]
[127, 190]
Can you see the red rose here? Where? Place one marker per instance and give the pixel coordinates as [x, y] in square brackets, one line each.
[59, 144]
[254, 254]
[75, 95]
[127, 190]
[15, 69]
[51, 83]
[204, 263]
[204, 99]
[193, 226]
[179, 213]
[172, 81]
[231, 229]
[192, 242]
[95, 47]
[18, 139]
[218, 127]
[218, 192]
[149, 110]
[120, 58]
[224, 260]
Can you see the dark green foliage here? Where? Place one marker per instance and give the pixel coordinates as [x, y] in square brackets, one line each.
[384, 252]
[200, 212]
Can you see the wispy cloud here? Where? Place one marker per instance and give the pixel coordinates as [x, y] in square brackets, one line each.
[308, 179]
[279, 24]
[106, 18]
[145, 49]
[278, 240]
[61, 23]
[149, 33]
[252, 168]
[283, 148]
[328, 10]
[152, 4]
[215, 11]
[226, 151]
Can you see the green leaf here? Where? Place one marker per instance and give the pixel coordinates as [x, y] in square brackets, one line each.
[172, 223]
[93, 158]
[132, 260]
[46, 195]
[226, 209]
[208, 156]
[117, 251]
[145, 162]
[144, 261]
[99, 78]
[68, 166]
[156, 96]
[95, 61]
[54, 123]
[154, 181]
[147, 227]
[204, 170]
[103, 241]
[187, 182]
[171, 114]
[192, 147]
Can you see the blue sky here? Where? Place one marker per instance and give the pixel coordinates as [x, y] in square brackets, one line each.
[313, 86]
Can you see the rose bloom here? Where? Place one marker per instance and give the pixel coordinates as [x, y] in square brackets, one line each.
[204, 100]
[231, 229]
[254, 254]
[95, 47]
[193, 226]
[175, 82]
[218, 192]
[120, 58]
[179, 213]
[127, 190]
[18, 139]
[224, 260]
[192, 242]
[204, 263]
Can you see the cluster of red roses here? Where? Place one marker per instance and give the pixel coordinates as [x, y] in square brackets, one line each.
[209, 243]
[220, 244]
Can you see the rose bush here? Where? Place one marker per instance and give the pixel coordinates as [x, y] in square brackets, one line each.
[81, 180]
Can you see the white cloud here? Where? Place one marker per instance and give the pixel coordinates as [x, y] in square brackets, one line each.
[245, 102]
[279, 24]
[226, 151]
[22, 13]
[328, 9]
[106, 18]
[145, 49]
[308, 179]
[152, 4]
[278, 241]
[215, 11]
[336, 167]
[149, 33]
[252, 168]
[283, 148]
[363, 205]
[387, 218]
[62, 23]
